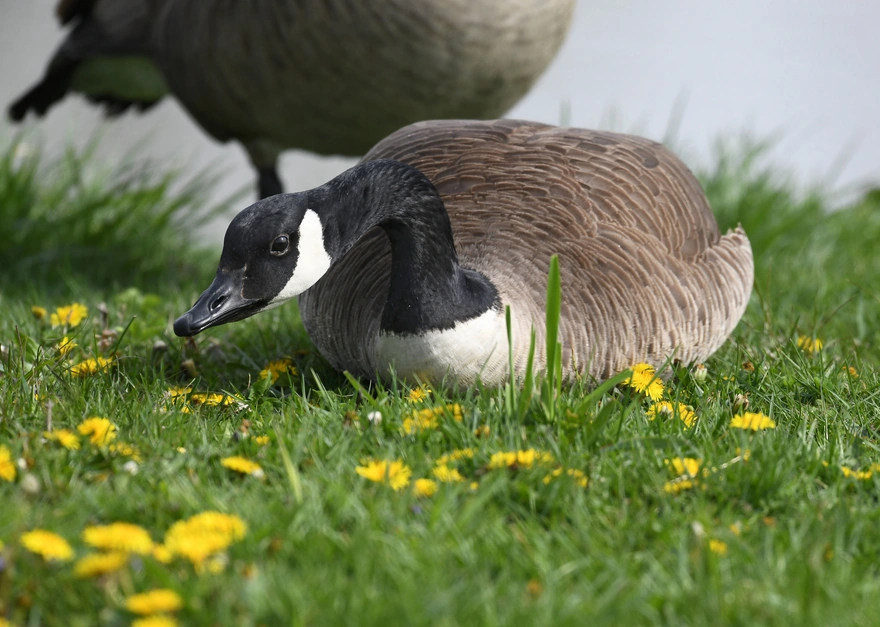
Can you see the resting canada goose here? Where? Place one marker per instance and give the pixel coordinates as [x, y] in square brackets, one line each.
[328, 76]
[407, 260]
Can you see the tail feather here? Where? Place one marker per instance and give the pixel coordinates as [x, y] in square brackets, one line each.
[44, 94]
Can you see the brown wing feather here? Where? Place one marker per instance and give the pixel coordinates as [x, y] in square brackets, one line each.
[645, 272]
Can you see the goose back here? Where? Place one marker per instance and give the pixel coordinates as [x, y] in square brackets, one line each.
[646, 274]
[334, 76]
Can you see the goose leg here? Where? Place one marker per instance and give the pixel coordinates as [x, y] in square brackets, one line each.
[269, 183]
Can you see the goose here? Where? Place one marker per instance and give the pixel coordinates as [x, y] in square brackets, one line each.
[405, 262]
[326, 76]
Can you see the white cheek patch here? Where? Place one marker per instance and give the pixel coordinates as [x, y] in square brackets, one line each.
[312, 262]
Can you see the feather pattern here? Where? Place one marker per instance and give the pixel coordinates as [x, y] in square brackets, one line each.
[646, 274]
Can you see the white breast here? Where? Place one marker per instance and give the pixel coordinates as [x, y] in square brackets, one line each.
[474, 348]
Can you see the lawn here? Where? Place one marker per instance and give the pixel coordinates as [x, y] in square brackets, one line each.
[310, 499]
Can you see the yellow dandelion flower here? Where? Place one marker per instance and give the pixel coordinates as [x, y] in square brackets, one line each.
[212, 399]
[474, 486]
[91, 366]
[7, 466]
[666, 409]
[65, 345]
[861, 475]
[578, 476]
[456, 455]
[809, 344]
[718, 547]
[123, 449]
[69, 316]
[736, 528]
[446, 474]
[50, 546]
[425, 487]
[519, 459]
[202, 536]
[119, 536]
[428, 418]
[162, 555]
[97, 564]
[99, 430]
[419, 394]
[678, 485]
[243, 465]
[65, 437]
[644, 379]
[851, 371]
[684, 465]
[262, 440]
[393, 473]
[38, 312]
[482, 431]
[156, 620]
[276, 368]
[154, 602]
[177, 391]
[753, 421]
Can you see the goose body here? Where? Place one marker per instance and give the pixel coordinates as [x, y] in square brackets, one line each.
[406, 261]
[328, 76]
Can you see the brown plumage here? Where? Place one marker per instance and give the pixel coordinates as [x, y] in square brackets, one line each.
[646, 274]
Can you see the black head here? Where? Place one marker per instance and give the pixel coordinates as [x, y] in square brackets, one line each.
[273, 251]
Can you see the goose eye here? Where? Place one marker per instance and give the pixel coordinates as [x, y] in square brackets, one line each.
[281, 245]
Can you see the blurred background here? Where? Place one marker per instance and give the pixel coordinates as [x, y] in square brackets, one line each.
[803, 72]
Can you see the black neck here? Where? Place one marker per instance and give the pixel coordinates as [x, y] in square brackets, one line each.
[428, 290]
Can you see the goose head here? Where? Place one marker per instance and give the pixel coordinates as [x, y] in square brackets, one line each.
[272, 251]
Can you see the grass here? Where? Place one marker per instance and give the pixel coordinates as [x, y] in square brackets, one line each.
[773, 531]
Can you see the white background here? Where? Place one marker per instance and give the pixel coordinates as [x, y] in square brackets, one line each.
[806, 71]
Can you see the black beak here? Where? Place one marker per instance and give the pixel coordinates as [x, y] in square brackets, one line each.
[219, 304]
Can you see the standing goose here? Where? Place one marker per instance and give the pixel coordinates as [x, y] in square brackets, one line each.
[407, 260]
[328, 76]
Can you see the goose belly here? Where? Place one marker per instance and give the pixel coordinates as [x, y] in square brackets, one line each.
[472, 349]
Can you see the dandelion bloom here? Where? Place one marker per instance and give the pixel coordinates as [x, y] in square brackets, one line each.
[666, 409]
[444, 473]
[97, 564]
[861, 475]
[578, 476]
[242, 465]
[91, 366]
[50, 546]
[428, 418]
[162, 555]
[718, 547]
[7, 466]
[519, 459]
[262, 440]
[202, 536]
[123, 449]
[684, 465]
[99, 430]
[419, 394]
[456, 455]
[809, 344]
[39, 312]
[753, 421]
[154, 602]
[65, 345]
[119, 536]
[425, 487]
[65, 437]
[69, 316]
[276, 368]
[644, 379]
[678, 485]
[396, 473]
[156, 620]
